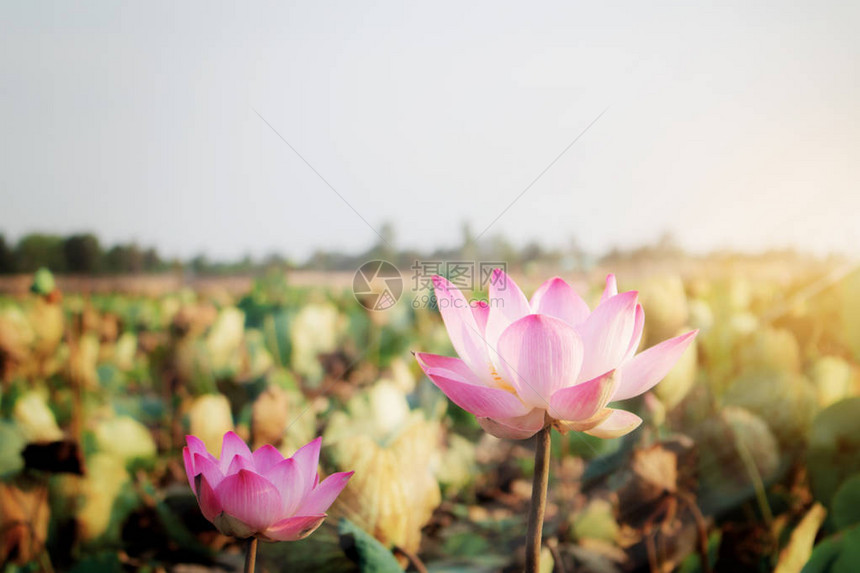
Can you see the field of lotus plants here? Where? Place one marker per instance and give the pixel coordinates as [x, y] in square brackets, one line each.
[747, 457]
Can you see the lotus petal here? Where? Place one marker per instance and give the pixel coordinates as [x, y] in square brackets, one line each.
[449, 376]
[585, 400]
[266, 457]
[466, 336]
[307, 460]
[210, 505]
[294, 528]
[607, 334]
[323, 495]
[250, 498]
[231, 446]
[539, 355]
[209, 469]
[619, 423]
[510, 305]
[291, 482]
[647, 368]
[557, 298]
[519, 428]
[610, 290]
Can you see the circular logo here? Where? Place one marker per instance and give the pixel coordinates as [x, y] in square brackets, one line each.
[377, 285]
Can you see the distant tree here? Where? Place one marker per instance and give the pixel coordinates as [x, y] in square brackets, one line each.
[668, 245]
[575, 256]
[135, 259]
[200, 264]
[469, 246]
[38, 250]
[246, 265]
[124, 259]
[151, 261]
[384, 248]
[7, 257]
[502, 250]
[531, 252]
[275, 261]
[83, 254]
[113, 261]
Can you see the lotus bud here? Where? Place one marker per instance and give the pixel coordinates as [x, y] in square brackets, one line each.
[739, 294]
[16, 337]
[125, 438]
[210, 418]
[743, 323]
[785, 400]
[125, 351]
[701, 315]
[55, 363]
[35, 419]
[834, 380]
[771, 350]
[258, 357]
[282, 416]
[187, 359]
[388, 406]
[168, 308]
[666, 305]
[315, 330]
[402, 377]
[457, 466]
[43, 282]
[90, 318]
[726, 445]
[83, 361]
[105, 479]
[224, 342]
[271, 414]
[378, 412]
[596, 521]
[679, 381]
[109, 327]
[48, 324]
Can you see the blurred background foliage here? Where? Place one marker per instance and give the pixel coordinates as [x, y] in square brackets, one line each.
[749, 458]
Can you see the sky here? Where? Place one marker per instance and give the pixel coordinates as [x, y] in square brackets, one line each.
[233, 129]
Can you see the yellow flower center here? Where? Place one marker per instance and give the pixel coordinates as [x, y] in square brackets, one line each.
[499, 381]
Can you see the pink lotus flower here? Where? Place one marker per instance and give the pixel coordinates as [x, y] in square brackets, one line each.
[261, 494]
[521, 361]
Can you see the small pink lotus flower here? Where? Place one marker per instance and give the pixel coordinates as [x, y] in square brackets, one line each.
[521, 361]
[261, 494]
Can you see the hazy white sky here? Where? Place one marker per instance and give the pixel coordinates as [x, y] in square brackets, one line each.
[734, 124]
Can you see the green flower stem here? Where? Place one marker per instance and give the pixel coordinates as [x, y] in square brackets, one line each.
[538, 504]
[251, 556]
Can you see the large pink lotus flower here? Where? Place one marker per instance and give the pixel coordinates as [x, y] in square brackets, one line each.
[521, 361]
[261, 494]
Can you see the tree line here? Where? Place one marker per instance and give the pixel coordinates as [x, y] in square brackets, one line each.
[79, 254]
[84, 254]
